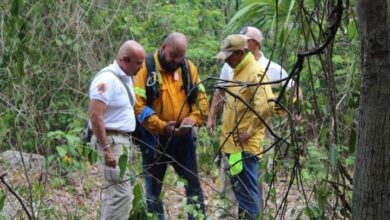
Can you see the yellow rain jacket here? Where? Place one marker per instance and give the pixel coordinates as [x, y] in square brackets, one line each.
[171, 105]
[247, 71]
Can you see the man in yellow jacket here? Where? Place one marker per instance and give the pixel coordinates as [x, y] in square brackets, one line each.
[169, 102]
[242, 130]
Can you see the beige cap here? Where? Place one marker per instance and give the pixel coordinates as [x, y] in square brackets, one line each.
[231, 43]
[252, 33]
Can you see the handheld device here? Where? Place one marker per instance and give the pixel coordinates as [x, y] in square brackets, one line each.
[186, 127]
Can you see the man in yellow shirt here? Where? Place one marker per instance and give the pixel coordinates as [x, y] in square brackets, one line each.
[242, 130]
[168, 104]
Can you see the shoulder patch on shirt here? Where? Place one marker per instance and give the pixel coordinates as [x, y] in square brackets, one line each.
[101, 88]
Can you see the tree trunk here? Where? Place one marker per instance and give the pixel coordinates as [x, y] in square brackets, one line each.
[371, 183]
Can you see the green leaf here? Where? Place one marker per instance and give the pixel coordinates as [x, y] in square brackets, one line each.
[51, 158]
[86, 152]
[183, 181]
[352, 32]
[349, 117]
[122, 164]
[320, 196]
[2, 201]
[61, 151]
[76, 47]
[94, 157]
[352, 141]
[72, 140]
[59, 42]
[312, 212]
[139, 208]
[334, 157]
[337, 59]
[55, 134]
[324, 131]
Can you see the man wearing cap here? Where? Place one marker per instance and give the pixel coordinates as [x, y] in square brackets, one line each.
[274, 72]
[241, 143]
[112, 119]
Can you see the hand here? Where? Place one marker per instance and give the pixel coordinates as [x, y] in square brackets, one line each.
[242, 136]
[188, 121]
[171, 130]
[109, 157]
[210, 125]
[298, 118]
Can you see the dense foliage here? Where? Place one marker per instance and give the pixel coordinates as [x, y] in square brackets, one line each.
[51, 49]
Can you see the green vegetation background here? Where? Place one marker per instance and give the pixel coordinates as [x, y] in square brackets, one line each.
[51, 49]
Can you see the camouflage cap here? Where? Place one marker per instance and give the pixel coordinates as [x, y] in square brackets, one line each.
[231, 43]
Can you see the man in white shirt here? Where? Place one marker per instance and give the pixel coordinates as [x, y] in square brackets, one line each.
[273, 71]
[112, 120]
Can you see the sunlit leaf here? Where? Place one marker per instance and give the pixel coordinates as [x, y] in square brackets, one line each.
[122, 164]
[61, 151]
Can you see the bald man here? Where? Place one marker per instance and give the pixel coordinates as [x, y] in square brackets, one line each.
[112, 120]
[169, 104]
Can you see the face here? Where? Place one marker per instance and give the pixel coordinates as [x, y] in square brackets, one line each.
[171, 57]
[253, 45]
[234, 59]
[133, 63]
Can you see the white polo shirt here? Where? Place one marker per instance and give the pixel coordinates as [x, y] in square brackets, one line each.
[274, 72]
[107, 88]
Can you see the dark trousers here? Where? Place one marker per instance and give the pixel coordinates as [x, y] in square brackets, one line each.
[180, 153]
[245, 188]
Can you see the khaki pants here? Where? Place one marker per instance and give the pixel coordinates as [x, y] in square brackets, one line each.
[117, 194]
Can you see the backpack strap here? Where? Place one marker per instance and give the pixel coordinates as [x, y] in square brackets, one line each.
[187, 82]
[152, 80]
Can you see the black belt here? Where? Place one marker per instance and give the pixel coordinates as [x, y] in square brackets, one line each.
[117, 132]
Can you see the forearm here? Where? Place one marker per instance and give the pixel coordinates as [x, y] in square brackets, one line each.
[154, 124]
[99, 130]
[216, 104]
[96, 112]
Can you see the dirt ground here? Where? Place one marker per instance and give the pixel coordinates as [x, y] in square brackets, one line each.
[77, 194]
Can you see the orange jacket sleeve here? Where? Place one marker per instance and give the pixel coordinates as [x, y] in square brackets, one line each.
[201, 106]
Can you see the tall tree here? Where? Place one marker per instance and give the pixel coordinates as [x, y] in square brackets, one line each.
[371, 191]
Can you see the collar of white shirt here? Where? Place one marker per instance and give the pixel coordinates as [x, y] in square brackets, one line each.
[120, 72]
[262, 57]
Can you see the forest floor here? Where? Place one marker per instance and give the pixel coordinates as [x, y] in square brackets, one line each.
[77, 194]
